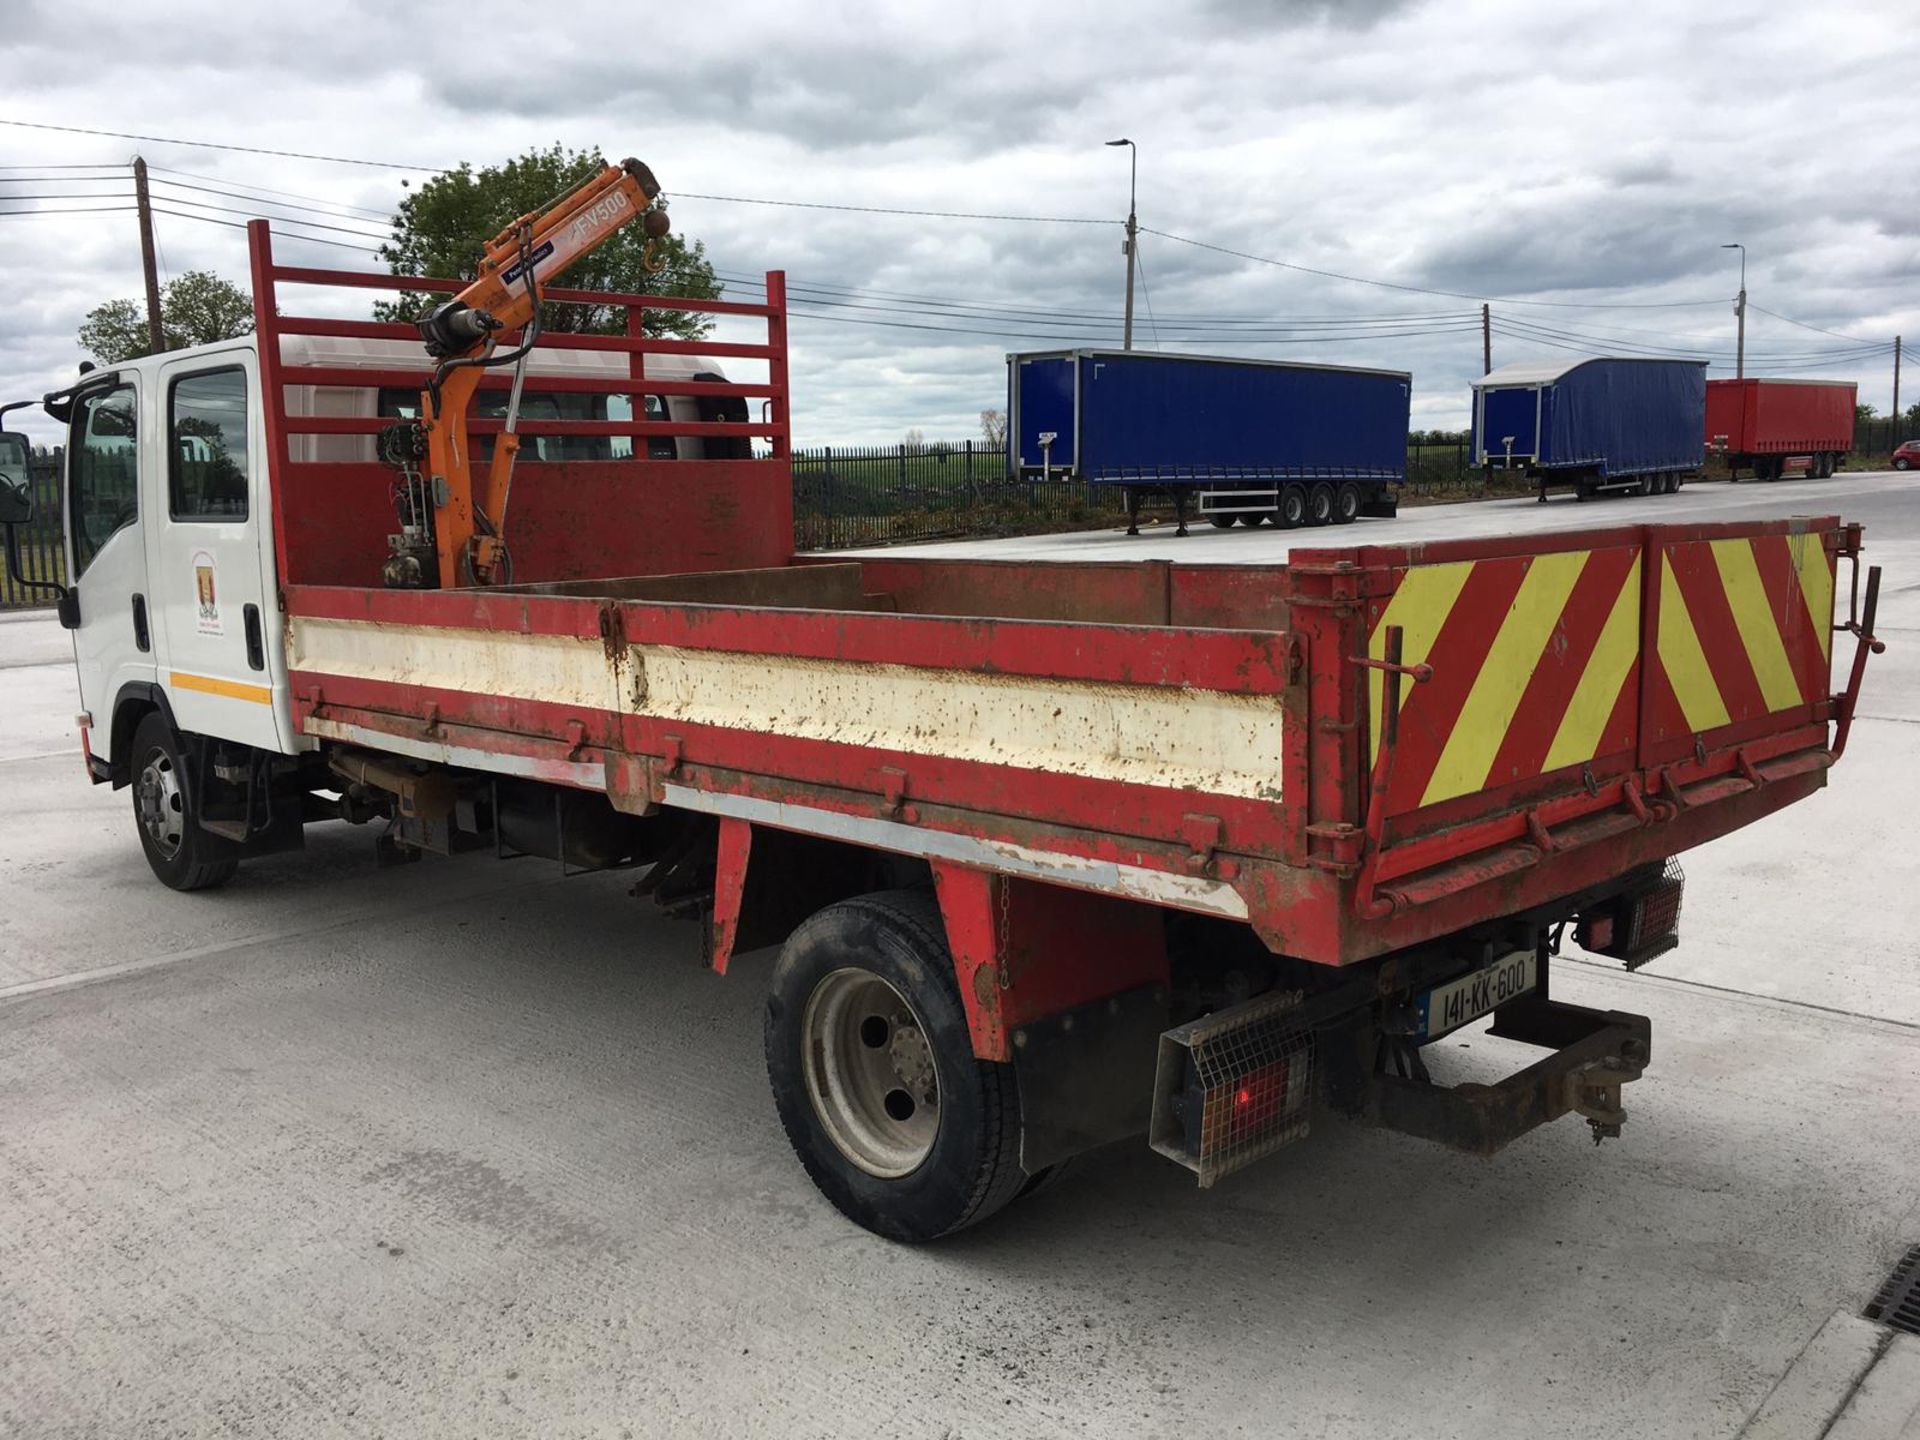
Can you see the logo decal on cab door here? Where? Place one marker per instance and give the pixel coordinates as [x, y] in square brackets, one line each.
[207, 613]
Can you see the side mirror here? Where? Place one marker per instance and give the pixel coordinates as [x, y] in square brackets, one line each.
[16, 493]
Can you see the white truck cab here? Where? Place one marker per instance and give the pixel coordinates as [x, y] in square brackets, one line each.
[172, 585]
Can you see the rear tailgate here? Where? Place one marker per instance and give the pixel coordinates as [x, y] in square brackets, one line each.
[1570, 689]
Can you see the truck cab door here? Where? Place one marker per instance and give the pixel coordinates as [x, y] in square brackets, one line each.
[108, 500]
[214, 586]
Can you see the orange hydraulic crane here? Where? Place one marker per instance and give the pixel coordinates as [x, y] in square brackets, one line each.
[449, 519]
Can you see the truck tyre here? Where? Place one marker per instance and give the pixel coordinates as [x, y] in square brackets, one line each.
[1346, 503]
[1292, 513]
[874, 1076]
[1320, 504]
[1254, 519]
[1220, 522]
[176, 846]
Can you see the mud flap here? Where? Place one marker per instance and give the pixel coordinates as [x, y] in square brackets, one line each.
[1086, 1075]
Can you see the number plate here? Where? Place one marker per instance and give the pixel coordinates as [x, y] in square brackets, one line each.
[1456, 1003]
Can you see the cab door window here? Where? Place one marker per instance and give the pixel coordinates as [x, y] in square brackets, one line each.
[207, 450]
[104, 473]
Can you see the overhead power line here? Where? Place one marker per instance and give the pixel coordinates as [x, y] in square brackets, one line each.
[217, 145]
[285, 234]
[62, 210]
[268, 190]
[283, 220]
[1801, 323]
[261, 200]
[1429, 290]
[930, 214]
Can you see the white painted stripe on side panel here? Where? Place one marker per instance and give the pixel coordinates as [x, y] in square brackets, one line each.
[1201, 740]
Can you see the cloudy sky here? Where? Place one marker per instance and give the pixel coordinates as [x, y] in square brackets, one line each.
[1577, 164]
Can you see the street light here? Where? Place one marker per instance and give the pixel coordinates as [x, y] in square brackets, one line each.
[1740, 309]
[1133, 230]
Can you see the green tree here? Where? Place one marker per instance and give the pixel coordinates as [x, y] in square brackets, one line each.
[196, 308]
[443, 228]
[1863, 411]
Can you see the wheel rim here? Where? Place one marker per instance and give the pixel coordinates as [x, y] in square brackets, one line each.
[869, 1073]
[161, 807]
[1293, 509]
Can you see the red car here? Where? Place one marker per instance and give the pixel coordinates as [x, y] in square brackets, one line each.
[1907, 456]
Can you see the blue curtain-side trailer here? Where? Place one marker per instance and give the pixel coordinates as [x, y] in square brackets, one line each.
[1604, 423]
[1238, 439]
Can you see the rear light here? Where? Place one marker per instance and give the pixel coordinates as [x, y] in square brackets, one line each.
[1640, 924]
[1233, 1086]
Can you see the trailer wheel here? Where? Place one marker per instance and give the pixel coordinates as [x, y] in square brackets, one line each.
[1253, 519]
[1674, 482]
[1220, 522]
[175, 845]
[1292, 513]
[874, 1076]
[1346, 503]
[1320, 504]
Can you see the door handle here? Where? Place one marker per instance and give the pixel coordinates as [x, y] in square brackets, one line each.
[140, 636]
[256, 648]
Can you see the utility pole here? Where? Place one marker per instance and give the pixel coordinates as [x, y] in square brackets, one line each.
[156, 335]
[1896, 390]
[1133, 234]
[1486, 339]
[1740, 309]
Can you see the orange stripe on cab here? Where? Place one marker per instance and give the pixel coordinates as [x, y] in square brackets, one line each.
[213, 685]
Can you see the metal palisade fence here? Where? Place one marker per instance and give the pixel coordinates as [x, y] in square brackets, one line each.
[846, 495]
[850, 495]
[42, 556]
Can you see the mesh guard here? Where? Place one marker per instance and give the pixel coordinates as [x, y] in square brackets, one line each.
[1233, 1087]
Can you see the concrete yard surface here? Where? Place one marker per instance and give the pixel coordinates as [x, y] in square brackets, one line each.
[464, 1148]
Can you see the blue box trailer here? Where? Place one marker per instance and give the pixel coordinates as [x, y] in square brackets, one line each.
[1239, 439]
[1602, 423]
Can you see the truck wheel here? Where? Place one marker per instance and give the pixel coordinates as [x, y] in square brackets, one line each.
[874, 1076]
[1292, 513]
[1320, 503]
[1254, 519]
[1220, 522]
[1346, 503]
[176, 846]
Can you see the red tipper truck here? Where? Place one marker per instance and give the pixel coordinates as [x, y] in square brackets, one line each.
[1772, 427]
[1058, 854]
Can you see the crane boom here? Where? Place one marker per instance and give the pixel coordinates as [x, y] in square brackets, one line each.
[466, 509]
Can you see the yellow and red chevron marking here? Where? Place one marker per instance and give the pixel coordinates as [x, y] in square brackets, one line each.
[1538, 660]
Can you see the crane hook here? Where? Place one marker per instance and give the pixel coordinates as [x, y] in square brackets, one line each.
[656, 224]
